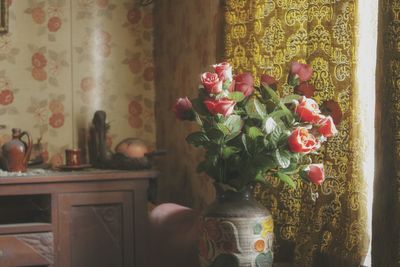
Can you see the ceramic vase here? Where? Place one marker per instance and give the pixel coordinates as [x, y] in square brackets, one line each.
[236, 231]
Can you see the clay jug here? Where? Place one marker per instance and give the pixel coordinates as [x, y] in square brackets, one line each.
[16, 152]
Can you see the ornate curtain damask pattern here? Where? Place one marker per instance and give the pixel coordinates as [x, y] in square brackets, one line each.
[386, 209]
[265, 36]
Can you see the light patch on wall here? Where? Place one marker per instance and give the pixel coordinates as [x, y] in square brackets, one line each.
[366, 66]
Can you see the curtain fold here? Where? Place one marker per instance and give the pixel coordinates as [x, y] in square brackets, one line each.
[386, 205]
[265, 36]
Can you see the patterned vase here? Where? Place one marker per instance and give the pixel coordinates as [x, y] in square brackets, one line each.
[236, 231]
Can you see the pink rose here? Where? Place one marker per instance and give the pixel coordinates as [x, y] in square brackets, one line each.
[39, 60]
[183, 109]
[327, 128]
[222, 106]
[211, 83]
[56, 120]
[301, 141]
[6, 97]
[315, 173]
[38, 15]
[244, 83]
[54, 24]
[269, 81]
[224, 71]
[302, 71]
[308, 110]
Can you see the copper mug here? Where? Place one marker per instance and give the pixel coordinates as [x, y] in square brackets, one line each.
[73, 157]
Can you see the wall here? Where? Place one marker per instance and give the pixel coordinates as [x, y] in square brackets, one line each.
[187, 42]
[62, 60]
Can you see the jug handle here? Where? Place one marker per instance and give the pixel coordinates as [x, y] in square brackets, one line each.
[29, 146]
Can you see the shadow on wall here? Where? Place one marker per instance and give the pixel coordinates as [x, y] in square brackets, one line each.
[188, 39]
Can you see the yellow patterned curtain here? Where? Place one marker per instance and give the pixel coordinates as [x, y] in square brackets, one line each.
[386, 209]
[265, 36]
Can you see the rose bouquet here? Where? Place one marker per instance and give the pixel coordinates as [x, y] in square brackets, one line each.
[249, 132]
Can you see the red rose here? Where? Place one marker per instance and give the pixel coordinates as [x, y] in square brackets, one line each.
[302, 71]
[148, 74]
[224, 71]
[244, 83]
[39, 74]
[6, 97]
[301, 141]
[183, 109]
[56, 120]
[134, 15]
[54, 24]
[135, 122]
[148, 21]
[211, 83]
[269, 81]
[308, 110]
[135, 108]
[222, 106]
[39, 60]
[305, 89]
[327, 127]
[315, 173]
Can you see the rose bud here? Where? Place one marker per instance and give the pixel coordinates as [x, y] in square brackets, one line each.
[270, 81]
[183, 109]
[307, 110]
[211, 83]
[305, 89]
[244, 83]
[224, 71]
[302, 71]
[301, 141]
[327, 127]
[222, 106]
[315, 173]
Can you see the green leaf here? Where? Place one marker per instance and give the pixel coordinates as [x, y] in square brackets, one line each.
[229, 151]
[287, 179]
[255, 132]
[215, 135]
[289, 99]
[197, 139]
[255, 109]
[236, 96]
[276, 115]
[268, 93]
[244, 142]
[223, 128]
[282, 158]
[275, 135]
[233, 123]
[292, 169]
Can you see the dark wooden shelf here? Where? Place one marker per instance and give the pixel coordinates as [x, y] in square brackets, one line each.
[20, 228]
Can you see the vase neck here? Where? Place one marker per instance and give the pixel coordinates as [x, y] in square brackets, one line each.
[244, 194]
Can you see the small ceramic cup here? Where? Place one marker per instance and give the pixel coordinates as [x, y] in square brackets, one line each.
[73, 157]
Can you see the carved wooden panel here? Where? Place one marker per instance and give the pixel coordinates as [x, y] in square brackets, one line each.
[96, 229]
[26, 249]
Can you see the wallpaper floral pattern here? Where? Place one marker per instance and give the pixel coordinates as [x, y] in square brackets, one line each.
[62, 60]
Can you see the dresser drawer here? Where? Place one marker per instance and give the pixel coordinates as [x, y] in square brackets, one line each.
[26, 249]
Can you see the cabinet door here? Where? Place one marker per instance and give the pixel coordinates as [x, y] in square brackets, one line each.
[95, 229]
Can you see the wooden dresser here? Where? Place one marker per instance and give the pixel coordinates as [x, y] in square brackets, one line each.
[94, 218]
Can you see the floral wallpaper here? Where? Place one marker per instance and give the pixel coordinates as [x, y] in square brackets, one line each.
[64, 59]
[187, 38]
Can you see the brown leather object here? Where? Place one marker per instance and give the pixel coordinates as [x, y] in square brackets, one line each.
[174, 236]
